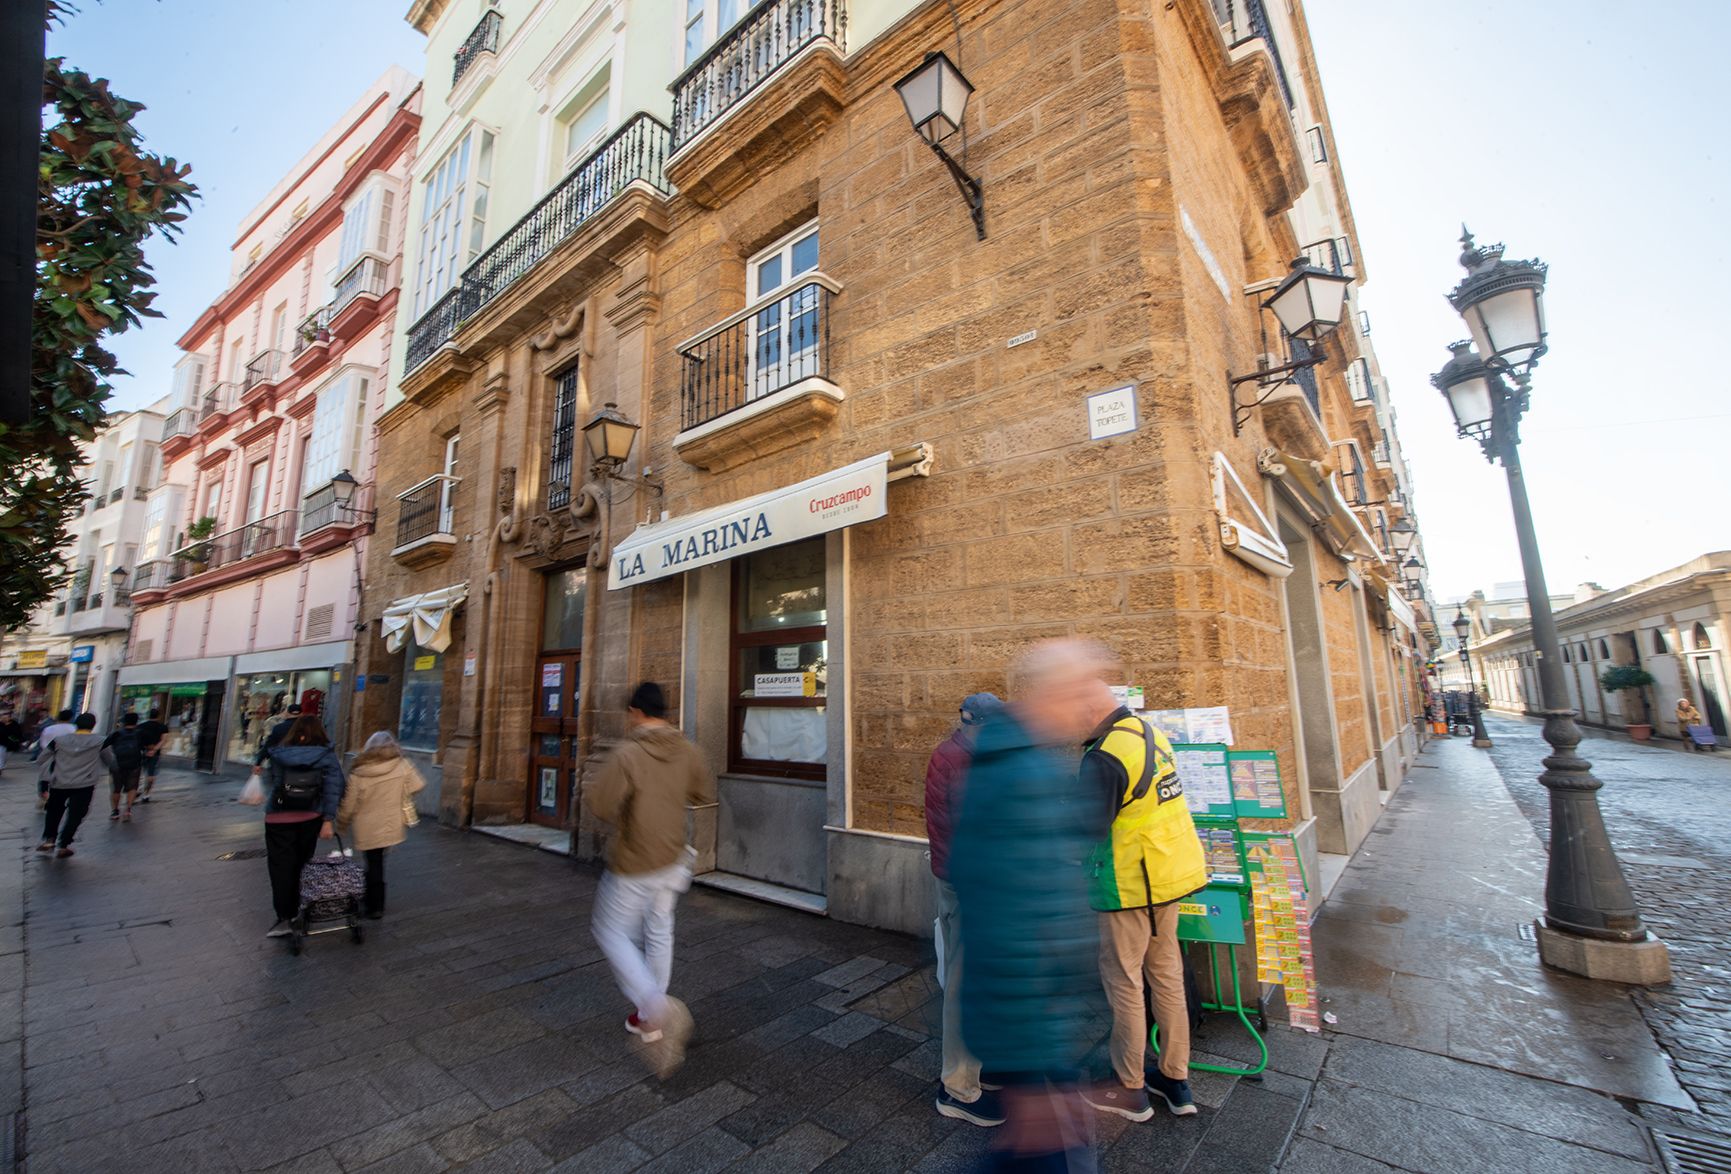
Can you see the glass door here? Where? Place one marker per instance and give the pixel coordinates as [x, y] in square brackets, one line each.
[553, 738]
[784, 334]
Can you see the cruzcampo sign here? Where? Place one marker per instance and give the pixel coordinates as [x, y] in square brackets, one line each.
[841, 497]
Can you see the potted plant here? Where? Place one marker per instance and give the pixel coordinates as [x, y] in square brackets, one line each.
[1634, 678]
[197, 549]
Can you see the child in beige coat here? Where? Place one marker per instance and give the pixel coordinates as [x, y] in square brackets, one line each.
[377, 807]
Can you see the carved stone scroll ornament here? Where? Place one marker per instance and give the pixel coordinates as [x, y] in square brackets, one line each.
[509, 528]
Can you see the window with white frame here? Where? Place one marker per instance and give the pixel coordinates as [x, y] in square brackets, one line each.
[1318, 145]
[156, 527]
[784, 333]
[453, 216]
[447, 488]
[366, 226]
[189, 380]
[705, 20]
[257, 488]
[584, 124]
[212, 497]
[334, 442]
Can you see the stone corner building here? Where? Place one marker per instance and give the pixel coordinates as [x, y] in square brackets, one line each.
[864, 477]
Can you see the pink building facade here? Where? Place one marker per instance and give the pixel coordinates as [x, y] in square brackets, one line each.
[248, 582]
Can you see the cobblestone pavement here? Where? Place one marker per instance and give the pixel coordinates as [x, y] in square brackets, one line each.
[151, 1027]
[1669, 814]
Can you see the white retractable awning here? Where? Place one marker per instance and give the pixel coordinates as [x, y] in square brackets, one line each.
[428, 615]
[829, 501]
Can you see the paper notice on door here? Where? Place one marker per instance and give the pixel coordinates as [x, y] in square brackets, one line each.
[787, 656]
[552, 676]
[783, 685]
[1211, 724]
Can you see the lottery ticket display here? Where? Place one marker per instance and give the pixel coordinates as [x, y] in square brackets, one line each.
[1280, 907]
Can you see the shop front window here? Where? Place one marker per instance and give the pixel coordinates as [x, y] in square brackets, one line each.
[562, 614]
[780, 662]
[261, 702]
[423, 693]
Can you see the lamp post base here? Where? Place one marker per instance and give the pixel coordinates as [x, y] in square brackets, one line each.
[1482, 743]
[1643, 963]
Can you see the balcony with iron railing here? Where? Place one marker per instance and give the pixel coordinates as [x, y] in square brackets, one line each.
[635, 153]
[484, 38]
[1244, 21]
[151, 576]
[759, 379]
[313, 330]
[365, 278]
[266, 368]
[267, 535]
[767, 38]
[180, 423]
[218, 401]
[426, 515]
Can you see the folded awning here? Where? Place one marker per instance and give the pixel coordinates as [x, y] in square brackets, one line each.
[1310, 486]
[842, 497]
[427, 615]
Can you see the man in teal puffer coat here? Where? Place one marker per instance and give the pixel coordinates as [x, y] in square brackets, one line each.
[1030, 938]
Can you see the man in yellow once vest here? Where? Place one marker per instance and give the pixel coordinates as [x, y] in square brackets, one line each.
[1150, 858]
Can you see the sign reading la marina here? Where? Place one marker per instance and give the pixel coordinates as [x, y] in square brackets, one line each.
[841, 497]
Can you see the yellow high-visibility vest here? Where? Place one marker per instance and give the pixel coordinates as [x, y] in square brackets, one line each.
[1153, 855]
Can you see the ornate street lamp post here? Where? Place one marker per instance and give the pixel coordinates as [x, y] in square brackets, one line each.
[1591, 925]
[1463, 631]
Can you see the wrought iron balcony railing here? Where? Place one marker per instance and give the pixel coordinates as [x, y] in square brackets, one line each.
[277, 532]
[771, 35]
[179, 423]
[264, 369]
[217, 400]
[116, 494]
[1247, 20]
[484, 38]
[320, 508]
[425, 509]
[315, 328]
[151, 576]
[757, 352]
[635, 153]
[365, 276]
[60, 608]
[1305, 377]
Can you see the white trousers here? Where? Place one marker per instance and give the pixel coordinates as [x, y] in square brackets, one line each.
[633, 926]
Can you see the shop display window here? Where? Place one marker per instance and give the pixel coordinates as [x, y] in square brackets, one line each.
[780, 662]
[262, 700]
[423, 695]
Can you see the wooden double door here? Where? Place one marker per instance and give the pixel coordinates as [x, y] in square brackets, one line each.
[553, 738]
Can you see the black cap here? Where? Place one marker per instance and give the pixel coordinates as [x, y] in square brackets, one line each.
[649, 700]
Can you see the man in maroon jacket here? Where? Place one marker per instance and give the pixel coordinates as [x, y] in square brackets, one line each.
[960, 1093]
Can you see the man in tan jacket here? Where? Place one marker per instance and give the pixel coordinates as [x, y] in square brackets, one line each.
[643, 791]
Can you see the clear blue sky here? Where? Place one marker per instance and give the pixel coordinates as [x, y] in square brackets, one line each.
[1577, 131]
[1583, 133]
[240, 89]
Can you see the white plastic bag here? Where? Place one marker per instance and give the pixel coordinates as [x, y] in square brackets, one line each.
[253, 793]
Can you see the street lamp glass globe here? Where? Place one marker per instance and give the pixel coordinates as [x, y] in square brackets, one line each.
[1508, 327]
[1461, 624]
[1467, 384]
[609, 436]
[343, 487]
[1309, 302]
[935, 94]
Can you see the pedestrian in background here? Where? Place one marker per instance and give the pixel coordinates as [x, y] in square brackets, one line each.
[960, 1093]
[62, 724]
[277, 733]
[11, 737]
[1147, 858]
[306, 788]
[151, 732]
[1688, 715]
[126, 749]
[378, 806]
[1029, 938]
[73, 764]
[643, 792]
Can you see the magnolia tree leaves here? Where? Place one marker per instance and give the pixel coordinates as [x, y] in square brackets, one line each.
[100, 196]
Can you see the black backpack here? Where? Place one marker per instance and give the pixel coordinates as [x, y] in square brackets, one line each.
[298, 788]
[127, 748]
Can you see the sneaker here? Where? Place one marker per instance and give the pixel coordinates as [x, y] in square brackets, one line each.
[1112, 1097]
[641, 1030]
[667, 1053]
[114, 815]
[279, 930]
[1176, 1093]
[144, 798]
[63, 853]
[989, 1083]
[45, 846]
[126, 817]
[983, 1111]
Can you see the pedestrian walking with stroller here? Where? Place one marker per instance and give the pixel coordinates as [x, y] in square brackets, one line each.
[305, 788]
[73, 764]
[643, 792]
[378, 806]
[127, 749]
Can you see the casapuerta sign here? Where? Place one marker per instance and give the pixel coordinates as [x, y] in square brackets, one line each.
[842, 497]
